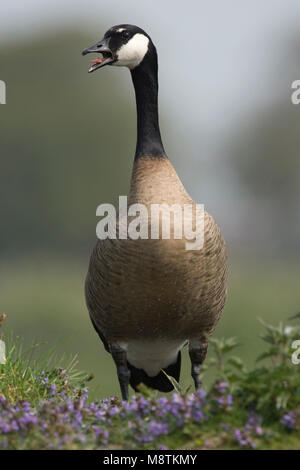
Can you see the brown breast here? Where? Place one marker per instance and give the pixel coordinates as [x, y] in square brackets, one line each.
[156, 288]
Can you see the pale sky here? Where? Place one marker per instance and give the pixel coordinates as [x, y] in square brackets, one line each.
[216, 49]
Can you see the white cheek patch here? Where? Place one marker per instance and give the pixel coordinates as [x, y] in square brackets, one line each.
[132, 53]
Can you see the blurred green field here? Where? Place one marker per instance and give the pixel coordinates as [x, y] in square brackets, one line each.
[44, 302]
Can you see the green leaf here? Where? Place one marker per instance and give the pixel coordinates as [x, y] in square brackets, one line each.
[294, 317]
[267, 354]
[145, 391]
[268, 339]
[282, 401]
[236, 362]
[269, 327]
[175, 384]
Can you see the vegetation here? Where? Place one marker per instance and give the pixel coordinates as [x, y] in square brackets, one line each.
[46, 407]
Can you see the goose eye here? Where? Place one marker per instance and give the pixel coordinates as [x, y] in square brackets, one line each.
[125, 34]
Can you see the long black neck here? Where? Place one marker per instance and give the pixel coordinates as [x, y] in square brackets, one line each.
[145, 83]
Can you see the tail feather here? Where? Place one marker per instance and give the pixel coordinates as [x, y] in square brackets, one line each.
[160, 381]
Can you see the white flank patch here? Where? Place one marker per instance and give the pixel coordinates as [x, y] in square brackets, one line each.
[132, 53]
[152, 356]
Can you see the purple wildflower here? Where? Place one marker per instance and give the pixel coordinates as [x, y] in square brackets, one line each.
[156, 428]
[243, 438]
[289, 420]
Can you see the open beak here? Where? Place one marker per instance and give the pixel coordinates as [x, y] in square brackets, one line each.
[104, 49]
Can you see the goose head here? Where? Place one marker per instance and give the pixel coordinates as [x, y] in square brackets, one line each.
[123, 45]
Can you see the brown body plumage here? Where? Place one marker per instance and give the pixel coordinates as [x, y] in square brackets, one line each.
[156, 288]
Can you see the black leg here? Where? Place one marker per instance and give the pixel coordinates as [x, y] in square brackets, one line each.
[120, 357]
[197, 352]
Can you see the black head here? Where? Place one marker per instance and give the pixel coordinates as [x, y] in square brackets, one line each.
[123, 45]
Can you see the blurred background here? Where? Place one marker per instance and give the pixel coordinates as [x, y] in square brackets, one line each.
[229, 128]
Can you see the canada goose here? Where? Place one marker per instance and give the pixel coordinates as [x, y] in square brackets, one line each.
[148, 298]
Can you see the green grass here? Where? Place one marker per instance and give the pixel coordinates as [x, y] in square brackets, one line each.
[20, 375]
[43, 406]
